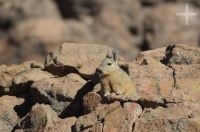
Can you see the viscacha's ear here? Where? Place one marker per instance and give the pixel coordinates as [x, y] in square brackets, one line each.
[110, 55]
[115, 53]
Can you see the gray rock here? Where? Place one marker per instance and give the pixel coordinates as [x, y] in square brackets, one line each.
[59, 93]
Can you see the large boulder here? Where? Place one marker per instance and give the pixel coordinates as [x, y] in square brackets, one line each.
[80, 58]
[170, 74]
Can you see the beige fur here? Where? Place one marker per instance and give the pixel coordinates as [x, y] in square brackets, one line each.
[115, 80]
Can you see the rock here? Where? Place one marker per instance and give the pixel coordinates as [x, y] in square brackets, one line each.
[110, 117]
[21, 82]
[184, 55]
[40, 41]
[8, 114]
[70, 121]
[12, 11]
[65, 59]
[43, 118]
[121, 119]
[160, 30]
[115, 117]
[91, 102]
[59, 93]
[7, 73]
[158, 78]
[86, 122]
[31, 75]
[169, 74]
[168, 119]
[97, 88]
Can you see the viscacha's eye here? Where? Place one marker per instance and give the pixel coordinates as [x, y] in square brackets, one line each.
[109, 64]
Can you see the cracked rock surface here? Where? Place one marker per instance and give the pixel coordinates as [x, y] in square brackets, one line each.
[63, 94]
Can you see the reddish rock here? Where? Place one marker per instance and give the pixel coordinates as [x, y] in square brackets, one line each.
[174, 75]
[121, 119]
[91, 102]
[168, 119]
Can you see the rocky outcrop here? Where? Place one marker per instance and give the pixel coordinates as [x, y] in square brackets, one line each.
[177, 78]
[64, 94]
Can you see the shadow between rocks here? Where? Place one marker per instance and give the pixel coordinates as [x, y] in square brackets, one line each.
[23, 91]
[76, 106]
[25, 107]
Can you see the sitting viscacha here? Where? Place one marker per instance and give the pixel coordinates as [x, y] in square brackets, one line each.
[115, 81]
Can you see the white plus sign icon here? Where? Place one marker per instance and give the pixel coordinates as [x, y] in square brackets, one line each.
[186, 14]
